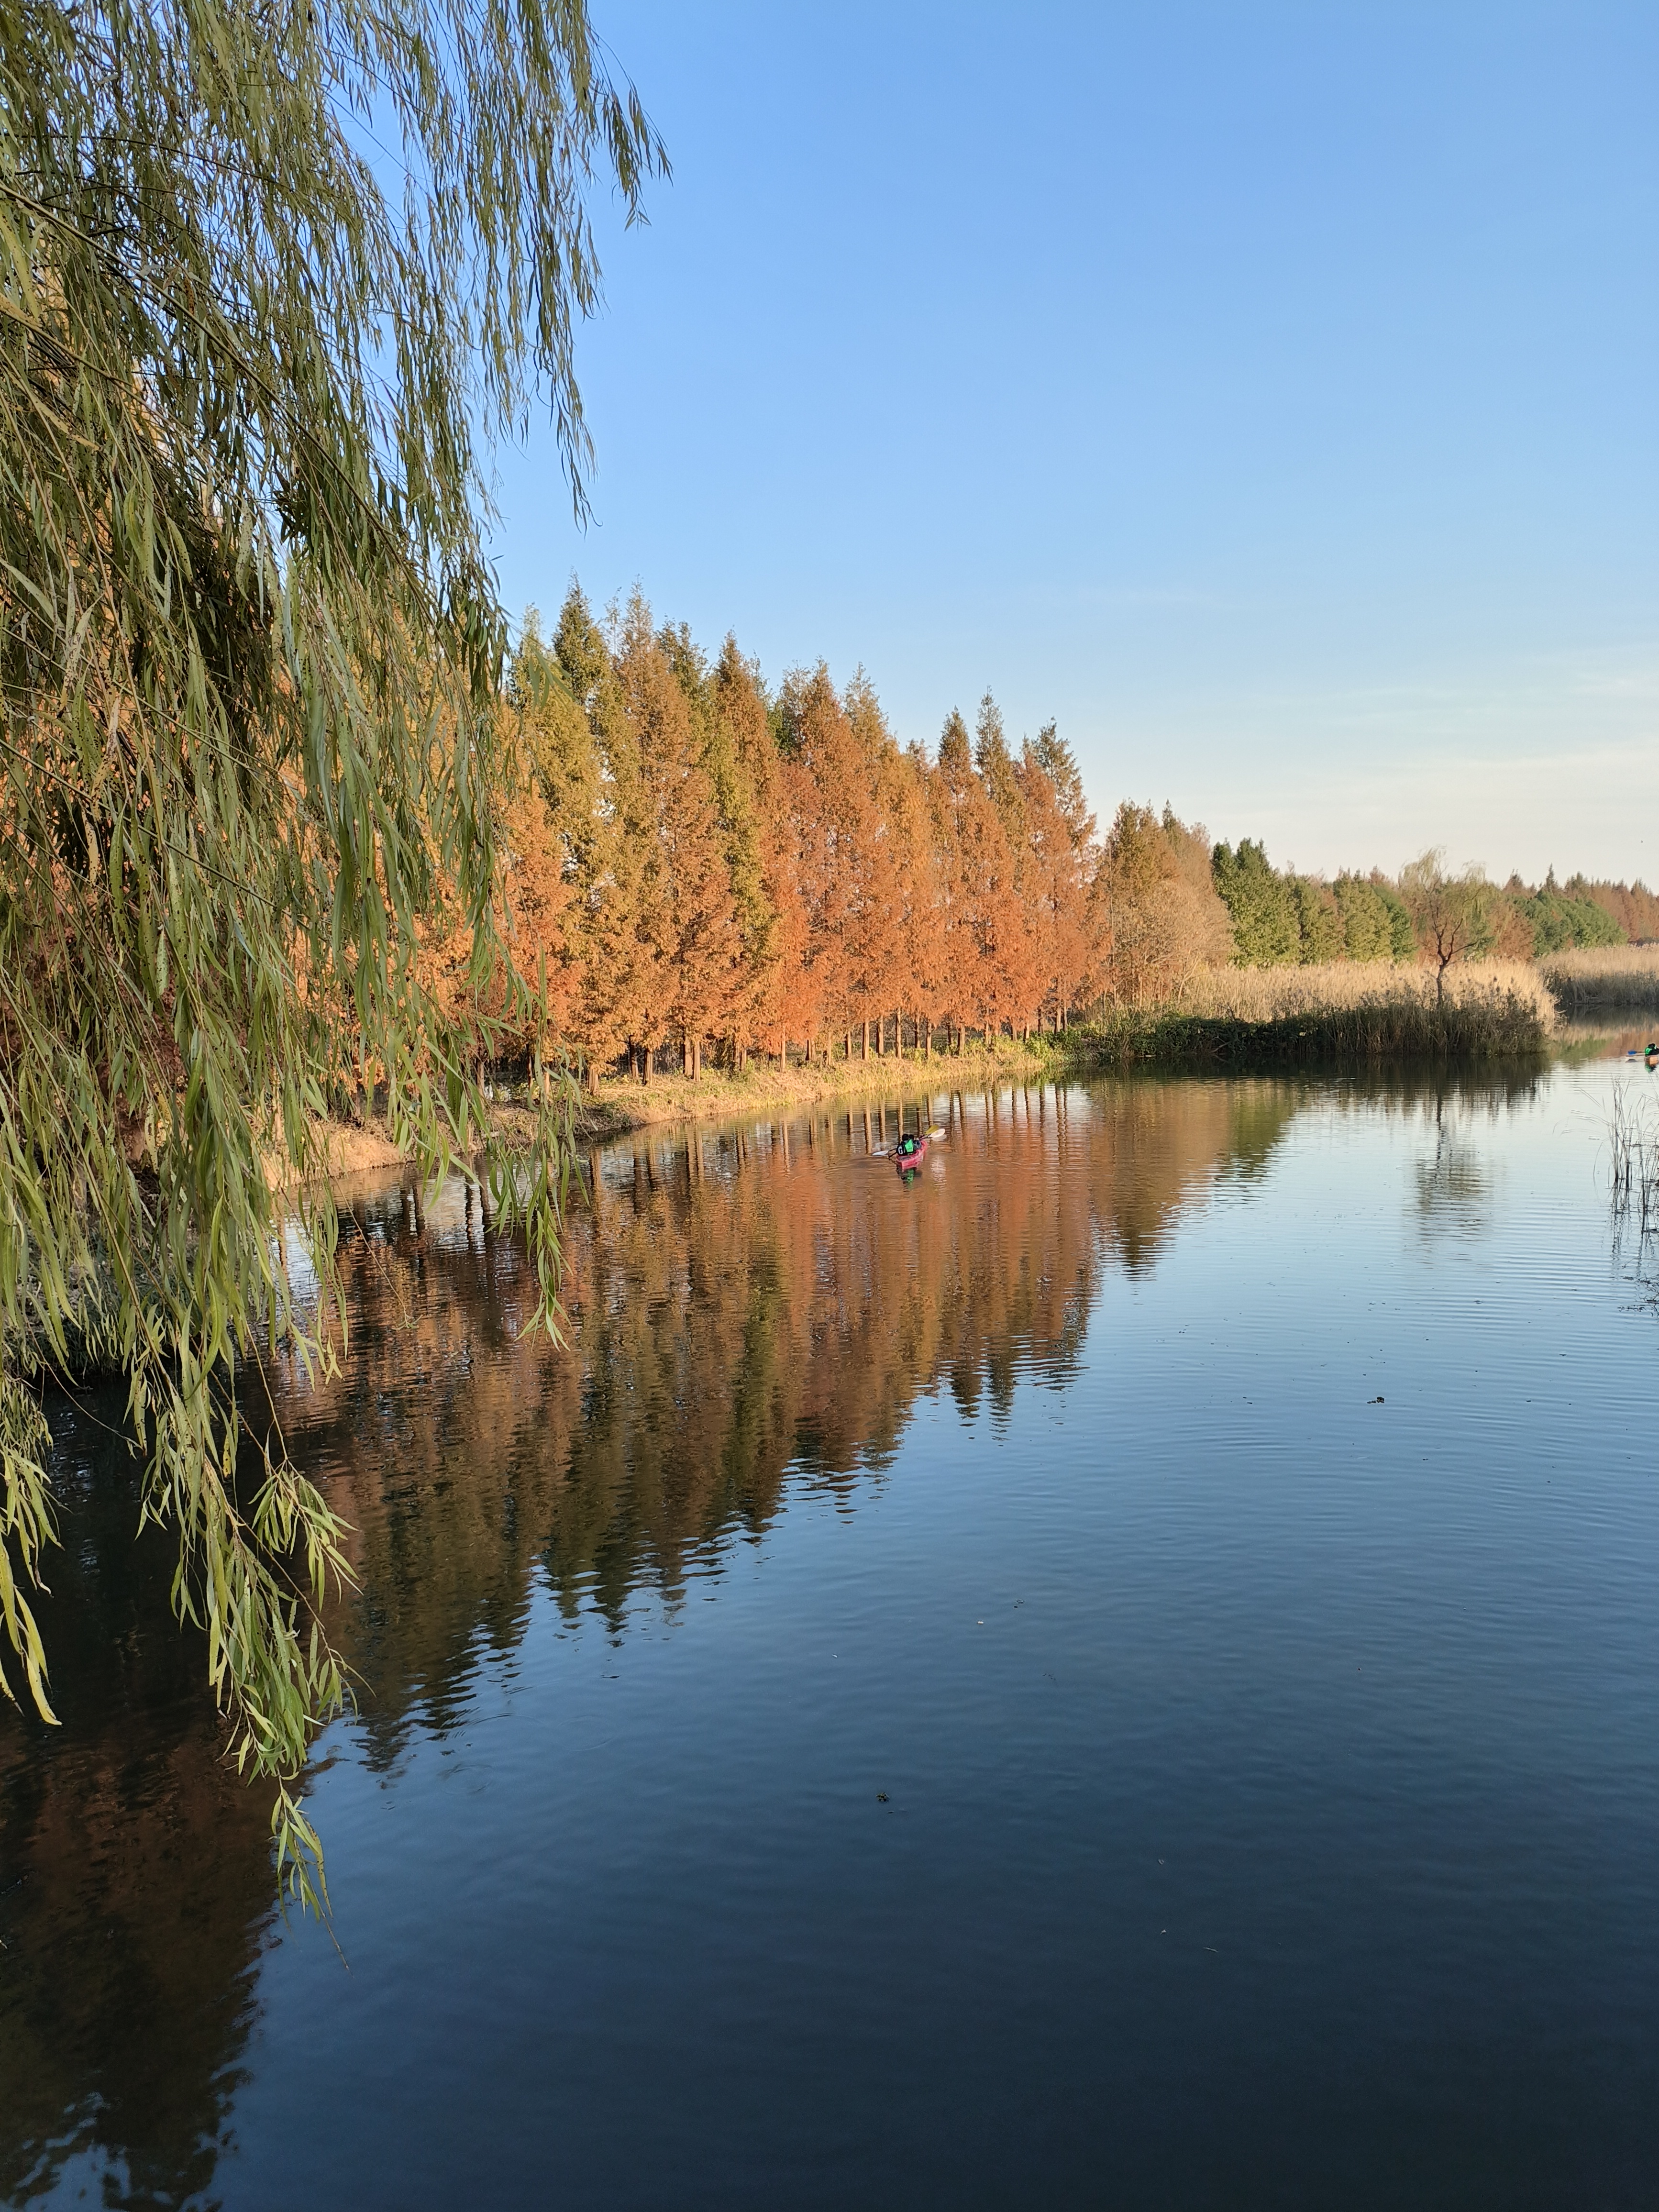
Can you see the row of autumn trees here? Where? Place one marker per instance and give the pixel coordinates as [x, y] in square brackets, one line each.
[697, 863]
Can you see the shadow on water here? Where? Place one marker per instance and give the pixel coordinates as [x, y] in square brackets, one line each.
[754, 1308]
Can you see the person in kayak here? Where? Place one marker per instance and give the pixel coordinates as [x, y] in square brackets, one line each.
[909, 1148]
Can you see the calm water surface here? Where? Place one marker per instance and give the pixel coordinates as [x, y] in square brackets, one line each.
[1125, 1670]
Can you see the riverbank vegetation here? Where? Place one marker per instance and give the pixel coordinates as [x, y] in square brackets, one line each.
[1612, 979]
[1633, 1165]
[621, 1104]
[1372, 1015]
[705, 870]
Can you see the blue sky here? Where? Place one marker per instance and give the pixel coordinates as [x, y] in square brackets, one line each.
[1266, 392]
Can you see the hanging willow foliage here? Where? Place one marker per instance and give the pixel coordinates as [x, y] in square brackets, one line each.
[271, 279]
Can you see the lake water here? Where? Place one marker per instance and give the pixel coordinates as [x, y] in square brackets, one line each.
[1123, 1670]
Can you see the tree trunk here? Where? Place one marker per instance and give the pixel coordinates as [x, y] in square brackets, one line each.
[864, 1040]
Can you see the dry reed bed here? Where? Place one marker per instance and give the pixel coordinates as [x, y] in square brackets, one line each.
[1348, 1012]
[1610, 978]
[1274, 994]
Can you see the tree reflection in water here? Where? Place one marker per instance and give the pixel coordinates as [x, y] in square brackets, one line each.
[749, 1308]
[753, 1308]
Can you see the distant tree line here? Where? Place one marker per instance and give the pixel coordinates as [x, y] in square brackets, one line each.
[697, 868]
[1279, 917]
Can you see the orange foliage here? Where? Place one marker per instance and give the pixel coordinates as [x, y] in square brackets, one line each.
[687, 863]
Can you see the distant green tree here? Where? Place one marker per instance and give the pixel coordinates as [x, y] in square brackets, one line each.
[1559, 918]
[1266, 930]
[1367, 935]
[1375, 925]
[1403, 931]
[1318, 921]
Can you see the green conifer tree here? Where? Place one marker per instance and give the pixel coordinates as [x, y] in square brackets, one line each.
[1266, 928]
[1318, 921]
[1366, 923]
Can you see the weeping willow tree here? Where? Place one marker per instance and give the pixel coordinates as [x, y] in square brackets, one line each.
[273, 279]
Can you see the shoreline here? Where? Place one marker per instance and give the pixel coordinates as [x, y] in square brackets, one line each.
[624, 1105]
[358, 1151]
[1371, 1040]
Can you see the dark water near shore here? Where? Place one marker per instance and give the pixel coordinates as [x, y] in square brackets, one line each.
[1125, 1671]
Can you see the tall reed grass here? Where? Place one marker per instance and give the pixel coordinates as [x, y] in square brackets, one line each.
[1273, 994]
[1634, 1140]
[1603, 978]
[1349, 1013]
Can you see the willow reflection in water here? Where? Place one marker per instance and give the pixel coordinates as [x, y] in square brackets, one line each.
[135, 1867]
